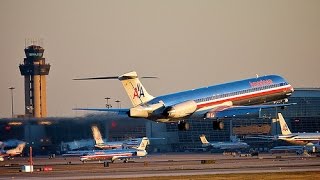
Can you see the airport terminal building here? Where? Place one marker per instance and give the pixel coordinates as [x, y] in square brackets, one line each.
[55, 135]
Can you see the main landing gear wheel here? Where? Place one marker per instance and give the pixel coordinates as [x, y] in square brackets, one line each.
[217, 125]
[183, 126]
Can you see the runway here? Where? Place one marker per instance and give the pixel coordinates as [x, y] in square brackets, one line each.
[173, 164]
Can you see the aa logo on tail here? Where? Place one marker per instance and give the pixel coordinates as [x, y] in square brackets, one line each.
[138, 91]
[285, 127]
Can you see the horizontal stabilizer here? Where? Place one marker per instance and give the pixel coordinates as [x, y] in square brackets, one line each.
[125, 76]
[94, 78]
[118, 111]
[131, 83]
[264, 137]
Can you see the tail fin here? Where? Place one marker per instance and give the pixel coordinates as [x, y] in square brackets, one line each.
[204, 139]
[283, 125]
[97, 135]
[135, 90]
[16, 150]
[20, 147]
[144, 142]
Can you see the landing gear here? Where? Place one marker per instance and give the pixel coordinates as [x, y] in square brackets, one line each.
[217, 125]
[105, 164]
[183, 126]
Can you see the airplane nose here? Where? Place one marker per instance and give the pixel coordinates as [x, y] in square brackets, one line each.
[291, 88]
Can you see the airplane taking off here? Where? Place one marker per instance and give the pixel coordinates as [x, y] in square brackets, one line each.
[12, 152]
[235, 144]
[296, 138]
[118, 154]
[213, 102]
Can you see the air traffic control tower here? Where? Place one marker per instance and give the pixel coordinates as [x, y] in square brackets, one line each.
[34, 69]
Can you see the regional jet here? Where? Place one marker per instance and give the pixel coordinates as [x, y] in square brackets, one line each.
[12, 152]
[118, 154]
[233, 144]
[214, 102]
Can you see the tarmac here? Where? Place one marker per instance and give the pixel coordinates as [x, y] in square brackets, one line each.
[156, 165]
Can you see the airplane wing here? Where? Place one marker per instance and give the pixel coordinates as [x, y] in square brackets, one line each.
[126, 157]
[240, 111]
[264, 137]
[117, 111]
[120, 158]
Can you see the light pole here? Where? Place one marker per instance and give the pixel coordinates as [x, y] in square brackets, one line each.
[108, 105]
[118, 102]
[11, 89]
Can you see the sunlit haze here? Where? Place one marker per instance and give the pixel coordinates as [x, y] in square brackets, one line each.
[187, 44]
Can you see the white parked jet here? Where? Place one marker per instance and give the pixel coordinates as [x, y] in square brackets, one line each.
[213, 102]
[301, 139]
[233, 144]
[118, 154]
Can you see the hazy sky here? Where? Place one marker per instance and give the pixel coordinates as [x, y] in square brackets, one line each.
[187, 44]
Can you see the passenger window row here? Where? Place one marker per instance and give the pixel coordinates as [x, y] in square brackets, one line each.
[218, 96]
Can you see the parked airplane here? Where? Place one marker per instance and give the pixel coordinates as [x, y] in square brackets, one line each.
[120, 154]
[296, 138]
[233, 144]
[12, 152]
[292, 138]
[213, 102]
[78, 153]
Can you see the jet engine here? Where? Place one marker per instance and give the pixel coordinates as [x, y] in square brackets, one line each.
[181, 110]
[143, 111]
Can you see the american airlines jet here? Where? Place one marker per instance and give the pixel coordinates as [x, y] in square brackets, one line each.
[112, 145]
[296, 138]
[12, 152]
[100, 143]
[118, 154]
[213, 102]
